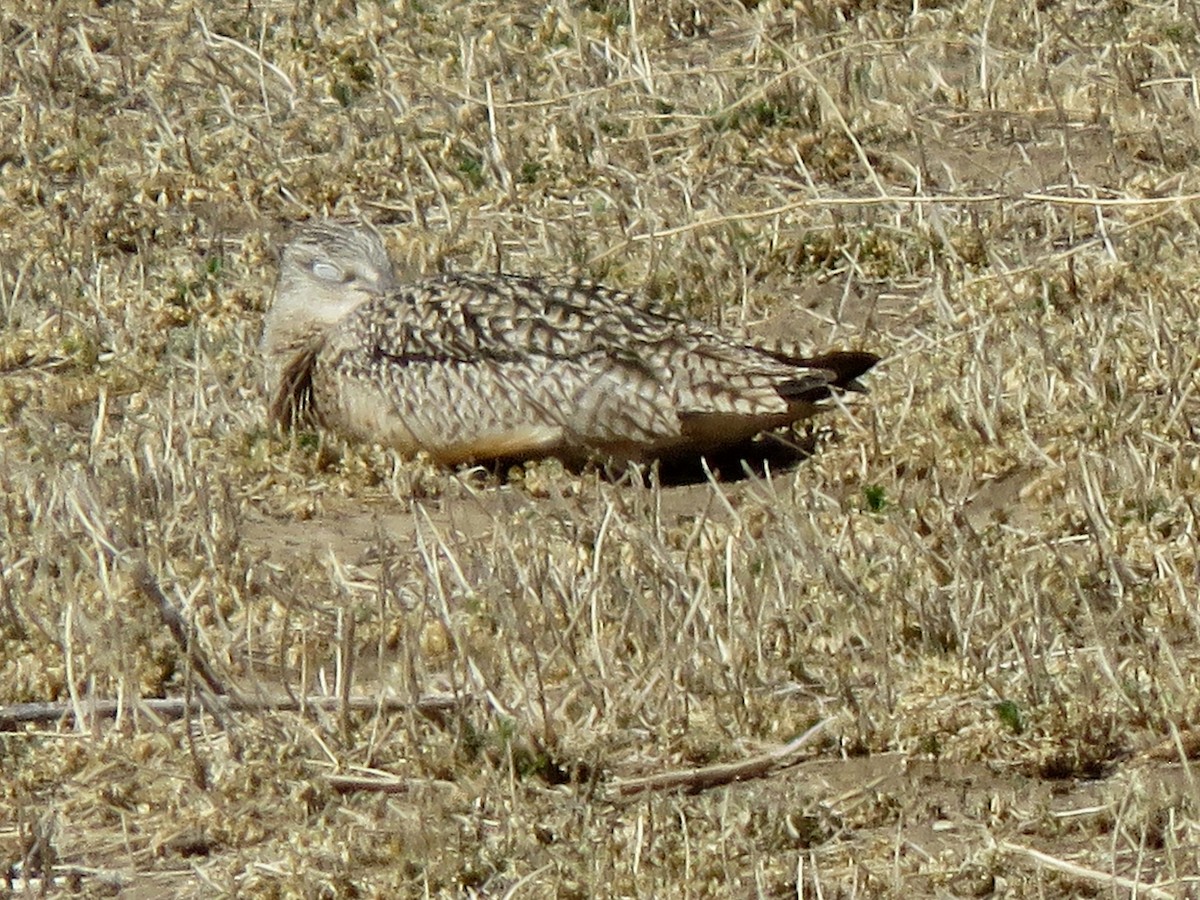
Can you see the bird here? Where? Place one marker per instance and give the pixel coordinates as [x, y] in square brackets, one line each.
[472, 368]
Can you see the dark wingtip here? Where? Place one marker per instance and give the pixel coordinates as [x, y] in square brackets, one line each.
[846, 365]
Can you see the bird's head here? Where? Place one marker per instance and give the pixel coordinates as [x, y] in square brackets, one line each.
[325, 272]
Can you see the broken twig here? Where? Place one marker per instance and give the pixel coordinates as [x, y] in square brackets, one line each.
[693, 780]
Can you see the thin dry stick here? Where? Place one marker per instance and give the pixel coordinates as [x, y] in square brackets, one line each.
[1136, 888]
[1180, 745]
[1060, 200]
[433, 707]
[351, 784]
[892, 199]
[694, 780]
[87, 512]
[145, 581]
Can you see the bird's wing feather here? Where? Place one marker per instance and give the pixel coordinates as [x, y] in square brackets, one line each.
[596, 363]
[503, 317]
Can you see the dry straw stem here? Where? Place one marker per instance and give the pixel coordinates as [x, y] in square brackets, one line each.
[1136, 888]
[946, 200]
[985, 573]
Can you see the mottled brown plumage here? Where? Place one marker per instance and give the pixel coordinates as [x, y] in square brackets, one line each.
[474, 367]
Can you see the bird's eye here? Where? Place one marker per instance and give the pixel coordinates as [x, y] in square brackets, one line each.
[329, 272]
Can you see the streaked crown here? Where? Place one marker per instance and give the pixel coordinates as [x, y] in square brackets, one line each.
[326, 271]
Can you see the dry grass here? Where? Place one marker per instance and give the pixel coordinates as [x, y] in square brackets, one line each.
[986, 578]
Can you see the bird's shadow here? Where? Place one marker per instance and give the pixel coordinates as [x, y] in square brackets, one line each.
[768, 454]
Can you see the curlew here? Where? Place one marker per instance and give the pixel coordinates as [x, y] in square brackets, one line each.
[478, 367]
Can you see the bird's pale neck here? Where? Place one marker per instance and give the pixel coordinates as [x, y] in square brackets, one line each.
[299, 320]
[301, 311]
